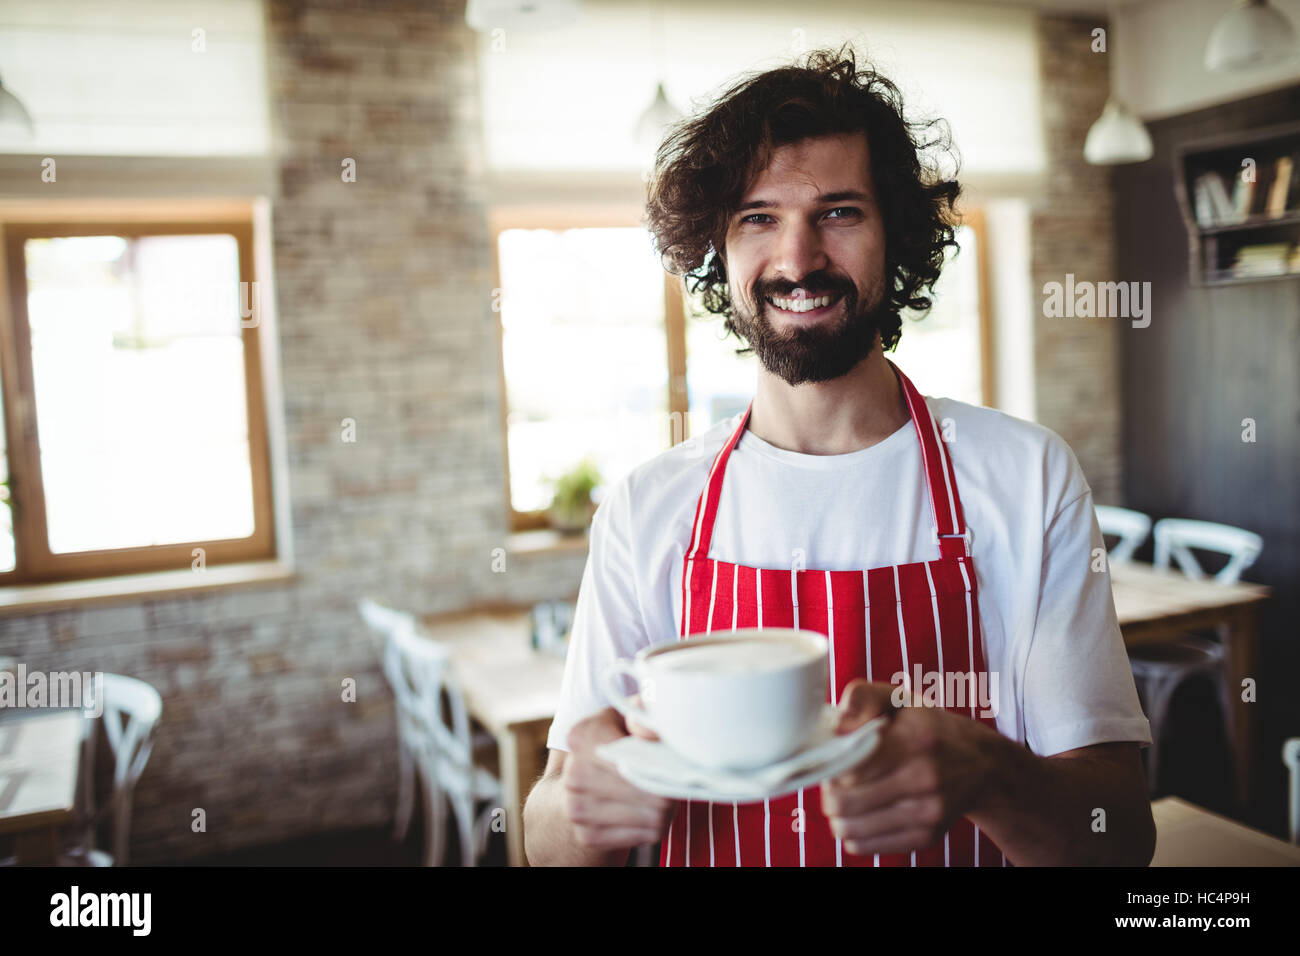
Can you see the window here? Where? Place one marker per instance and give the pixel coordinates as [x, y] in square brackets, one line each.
[606, 359]
[588, 320]
[949, 351]
[133, 408]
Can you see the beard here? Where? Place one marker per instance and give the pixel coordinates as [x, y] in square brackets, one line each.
[818, 351]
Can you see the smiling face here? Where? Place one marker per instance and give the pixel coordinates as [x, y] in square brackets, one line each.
[806, 259]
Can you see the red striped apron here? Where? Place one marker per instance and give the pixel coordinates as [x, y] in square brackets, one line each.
[878, 622]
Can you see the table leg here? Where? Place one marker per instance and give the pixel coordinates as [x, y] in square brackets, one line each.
[522, 763]
[1241, 633]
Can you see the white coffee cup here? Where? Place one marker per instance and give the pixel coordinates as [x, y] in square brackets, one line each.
[733, 700]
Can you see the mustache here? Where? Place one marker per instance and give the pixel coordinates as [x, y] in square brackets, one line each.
[812, 287]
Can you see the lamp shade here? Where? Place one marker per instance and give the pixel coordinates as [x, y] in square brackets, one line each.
[1117, 137]
[1250, 34]
[488, 15]
[650, 127]
[15, 121]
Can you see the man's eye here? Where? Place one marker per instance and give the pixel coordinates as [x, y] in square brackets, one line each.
[851, 210]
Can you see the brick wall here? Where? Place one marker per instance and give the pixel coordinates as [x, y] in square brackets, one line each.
[1076, 361]
[384, 300]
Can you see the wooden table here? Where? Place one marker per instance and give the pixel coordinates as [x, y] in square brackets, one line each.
[1188, 835]
[1155, 606]
[40, 752]
[510, 689]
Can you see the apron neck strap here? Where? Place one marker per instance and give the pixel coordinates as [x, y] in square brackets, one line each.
[940, 479]
[936, 466]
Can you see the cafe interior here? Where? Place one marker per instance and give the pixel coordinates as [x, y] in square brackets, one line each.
[335, 634]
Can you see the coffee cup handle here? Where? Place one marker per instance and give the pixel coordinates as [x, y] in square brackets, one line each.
[621, 702]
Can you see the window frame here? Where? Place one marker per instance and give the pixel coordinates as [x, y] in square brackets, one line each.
[974, 218]
[558, 218]
[34, 561]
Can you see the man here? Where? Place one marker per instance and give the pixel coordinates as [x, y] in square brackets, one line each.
[799, 207]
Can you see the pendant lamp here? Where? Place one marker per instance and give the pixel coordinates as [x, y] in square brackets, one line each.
[1251, 34]
[15, 121]
[1117, 137]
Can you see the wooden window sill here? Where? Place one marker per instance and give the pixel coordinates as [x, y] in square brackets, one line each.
[36, 598]
[545, 541]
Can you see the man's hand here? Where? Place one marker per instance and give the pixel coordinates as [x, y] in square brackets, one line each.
[605, 811]
[928, 771]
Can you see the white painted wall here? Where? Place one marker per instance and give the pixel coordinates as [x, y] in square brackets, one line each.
[1159, 48]
[124, 78]
[569, 98]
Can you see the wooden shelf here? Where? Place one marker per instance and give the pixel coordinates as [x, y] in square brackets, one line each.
[1231, 278]
[1290, 218]
[1214, 250]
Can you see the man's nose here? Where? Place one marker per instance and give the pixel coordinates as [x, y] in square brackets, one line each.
[799, 251]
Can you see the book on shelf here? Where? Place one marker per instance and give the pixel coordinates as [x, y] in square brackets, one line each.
[1202, 203]
[1293, 193]
[1265, 259]
[1264, 174]
[1243, 197]
[1276, 203]
[1220, 203]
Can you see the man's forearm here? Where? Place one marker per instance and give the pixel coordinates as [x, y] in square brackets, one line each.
[549, 839]
[1043, 811]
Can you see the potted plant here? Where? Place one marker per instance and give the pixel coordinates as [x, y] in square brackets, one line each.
[571, 507]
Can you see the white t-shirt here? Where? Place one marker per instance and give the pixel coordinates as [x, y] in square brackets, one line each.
[1048, 619]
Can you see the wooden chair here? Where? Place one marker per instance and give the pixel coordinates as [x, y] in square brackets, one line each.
[1131, 527]
[131, 710]
[383, 623]
[1175, 537]
[434, 738]
[1159, 669]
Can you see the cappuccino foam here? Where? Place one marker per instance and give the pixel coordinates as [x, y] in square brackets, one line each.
[735, 657]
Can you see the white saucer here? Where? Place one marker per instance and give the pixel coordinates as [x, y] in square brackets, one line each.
[656, 768]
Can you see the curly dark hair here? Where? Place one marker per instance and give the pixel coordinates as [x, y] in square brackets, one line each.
[706, 163]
